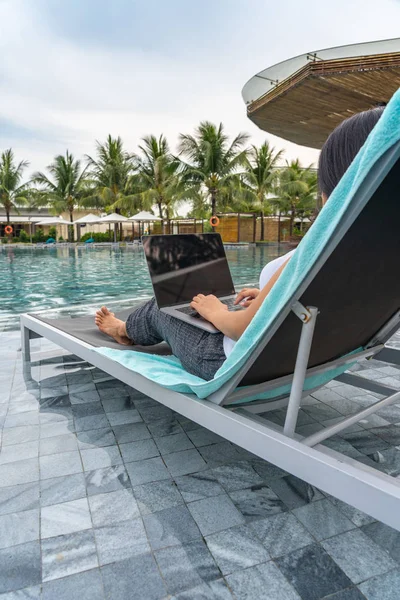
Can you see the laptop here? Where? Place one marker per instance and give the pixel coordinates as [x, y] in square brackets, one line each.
[182, 266]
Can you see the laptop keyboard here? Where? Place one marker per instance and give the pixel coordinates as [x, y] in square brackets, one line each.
[229, 302]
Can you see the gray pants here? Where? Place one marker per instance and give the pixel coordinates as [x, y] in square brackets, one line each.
[199, 351]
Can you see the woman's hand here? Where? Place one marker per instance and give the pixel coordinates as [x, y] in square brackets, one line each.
[207, 306]
[246, 296]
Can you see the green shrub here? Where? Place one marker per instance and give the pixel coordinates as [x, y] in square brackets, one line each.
[61, 239]
[53, 232]
[15, 240]
[39, 236]
[23, 236]
[108, 236]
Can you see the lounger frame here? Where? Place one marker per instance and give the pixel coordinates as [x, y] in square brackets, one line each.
[361, 486]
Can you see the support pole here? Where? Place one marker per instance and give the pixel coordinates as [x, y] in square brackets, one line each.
[25, 344]
[300, 370]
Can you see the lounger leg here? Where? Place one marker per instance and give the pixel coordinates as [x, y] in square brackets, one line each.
[25, 344]
[299, 375]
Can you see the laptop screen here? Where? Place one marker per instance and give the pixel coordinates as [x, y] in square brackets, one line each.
[182, 266]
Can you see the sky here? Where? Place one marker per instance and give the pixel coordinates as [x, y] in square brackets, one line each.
[73, 72]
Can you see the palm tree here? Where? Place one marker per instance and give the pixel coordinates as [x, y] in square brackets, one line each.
[295, 186]
[212, 162]
[12, 192]
[158, 180]
[66, 188]
[110, 173]
[260, 176]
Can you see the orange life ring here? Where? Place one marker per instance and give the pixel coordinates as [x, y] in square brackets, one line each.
[8, 230]
[214, 221]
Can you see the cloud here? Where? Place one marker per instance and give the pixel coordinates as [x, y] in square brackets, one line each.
[74, 72]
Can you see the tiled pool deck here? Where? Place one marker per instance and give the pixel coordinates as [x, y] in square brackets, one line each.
[106, 494]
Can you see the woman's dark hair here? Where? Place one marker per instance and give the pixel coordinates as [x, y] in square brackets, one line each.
[342, 146]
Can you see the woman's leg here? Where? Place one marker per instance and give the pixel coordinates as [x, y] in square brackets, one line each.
[199, 351]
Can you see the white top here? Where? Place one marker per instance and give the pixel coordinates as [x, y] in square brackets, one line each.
[268, 271]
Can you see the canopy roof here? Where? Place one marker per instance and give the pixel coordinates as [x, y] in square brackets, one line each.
[90, 218]
[54, 221]
[303, 99]
[113, 218]
[144, 216]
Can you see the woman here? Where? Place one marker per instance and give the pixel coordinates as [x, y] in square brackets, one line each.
[203, 353]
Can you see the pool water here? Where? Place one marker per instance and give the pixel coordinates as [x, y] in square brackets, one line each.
[76, 280]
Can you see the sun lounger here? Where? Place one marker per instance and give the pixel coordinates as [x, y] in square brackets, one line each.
[337, 301]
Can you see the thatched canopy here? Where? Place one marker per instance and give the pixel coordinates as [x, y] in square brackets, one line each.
[302, 100]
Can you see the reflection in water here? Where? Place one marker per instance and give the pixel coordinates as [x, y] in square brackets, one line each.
[70, 278]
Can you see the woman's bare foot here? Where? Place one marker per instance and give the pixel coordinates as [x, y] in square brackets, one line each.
[107, 322]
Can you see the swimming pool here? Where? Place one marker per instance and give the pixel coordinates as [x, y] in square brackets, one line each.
[75, 280]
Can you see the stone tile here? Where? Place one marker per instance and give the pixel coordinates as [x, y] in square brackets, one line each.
[105, 480]
[204, 437]
[186, 566]
[212, 590]
[237, 476]
[58, 444]
[87, 409]
[68, 554]
[358, 517]
[92, 422]
[113, 507]
[322, 519]
[263, 581]
[150, 413]
[85, 586]
[22, 471]
[62, 489]
[19, 498]
[173, 443]
[166, 426]
[257, 502]
[321, 412]
[281, 534]
[171, 527]
[119, 404]
[54, 429]
[67, 517]
[20, 435]
[219, 454]
[267, 470]
[389, 433]
[237, 548]
[156, 496]
[146, 471]
[131, 432]
[136, 577]
[120, 541]
[215, 514]
[29, 593]
[95, 438]
[382, 587]
[313, 573]
[385, 537]
[22, 419]
[19, 528]
[358, 556]
[140, 450]
[98, 458]
[123, 417]
[294, 492]
[18, 452]
[85, 396]
[348, 594]
[198, 486]
[185, 462]
[20, 567]
[57, 465]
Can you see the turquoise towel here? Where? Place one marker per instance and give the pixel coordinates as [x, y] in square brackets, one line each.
[168, 372]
